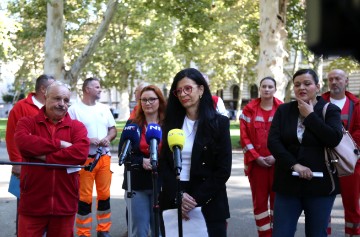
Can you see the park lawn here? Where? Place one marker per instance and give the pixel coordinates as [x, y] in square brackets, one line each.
[235, 137]
[120, 125]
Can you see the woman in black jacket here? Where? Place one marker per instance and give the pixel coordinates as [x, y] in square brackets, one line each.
[151, 109]
[206, 155]
[297, 138]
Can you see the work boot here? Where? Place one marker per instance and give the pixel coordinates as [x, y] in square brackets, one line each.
[103, 234]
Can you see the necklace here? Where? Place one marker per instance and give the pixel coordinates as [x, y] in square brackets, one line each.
[189, 127]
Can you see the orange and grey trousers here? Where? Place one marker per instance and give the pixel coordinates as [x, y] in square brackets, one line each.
[101, 175]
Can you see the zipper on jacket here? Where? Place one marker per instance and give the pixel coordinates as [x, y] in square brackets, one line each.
[53, 191]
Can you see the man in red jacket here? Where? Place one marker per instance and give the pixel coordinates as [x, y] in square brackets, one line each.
[49, 195]
[350, 115]
[29, 106]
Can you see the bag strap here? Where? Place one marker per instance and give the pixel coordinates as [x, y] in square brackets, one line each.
[324, 109]
[351, 108]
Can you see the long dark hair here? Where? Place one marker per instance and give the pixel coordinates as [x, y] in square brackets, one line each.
[175, 112]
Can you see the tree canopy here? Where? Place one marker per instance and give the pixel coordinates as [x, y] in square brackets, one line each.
[148, 39]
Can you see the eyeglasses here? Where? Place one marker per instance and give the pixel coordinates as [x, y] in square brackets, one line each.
[151, 100]
[186, 89]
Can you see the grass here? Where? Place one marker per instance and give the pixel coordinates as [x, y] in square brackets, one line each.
[235, 138]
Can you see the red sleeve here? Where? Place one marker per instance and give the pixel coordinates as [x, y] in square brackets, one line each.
[14, 154]
[245, 135]
[355, 120]
[78, 152]
[31, 145]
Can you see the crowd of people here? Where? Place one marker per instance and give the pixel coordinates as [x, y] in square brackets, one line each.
[283, 146]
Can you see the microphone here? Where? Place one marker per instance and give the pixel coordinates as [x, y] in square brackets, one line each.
[176, 140]
[153, 138]
[130, 134]
[96, 159]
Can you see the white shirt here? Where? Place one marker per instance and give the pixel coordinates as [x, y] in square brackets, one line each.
[189, 128]
[339, 103]
[36, 102]
[96, 118]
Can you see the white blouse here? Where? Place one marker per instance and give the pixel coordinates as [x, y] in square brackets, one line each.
[189, 128]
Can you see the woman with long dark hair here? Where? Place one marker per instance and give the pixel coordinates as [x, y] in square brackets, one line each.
[206, 155]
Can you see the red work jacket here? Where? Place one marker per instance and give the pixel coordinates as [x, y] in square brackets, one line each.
[254, 131]
[48, 190]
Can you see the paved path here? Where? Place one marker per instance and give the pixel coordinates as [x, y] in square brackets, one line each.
[241, 223]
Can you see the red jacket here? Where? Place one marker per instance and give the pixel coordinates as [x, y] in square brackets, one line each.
[46, 190]
[22, 108]
[254, 131]
[354, 126]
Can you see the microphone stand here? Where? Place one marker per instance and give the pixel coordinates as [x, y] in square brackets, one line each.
[44, 164]
[177, 168]
[155, 196]
[96, 159]
[129, 192]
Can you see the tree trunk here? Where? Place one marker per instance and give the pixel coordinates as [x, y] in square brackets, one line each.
[272, 43]
[54, 49]
[241, 88]
[72, 76]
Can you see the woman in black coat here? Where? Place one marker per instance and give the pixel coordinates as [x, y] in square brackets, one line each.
[297, 138]
[206, 155]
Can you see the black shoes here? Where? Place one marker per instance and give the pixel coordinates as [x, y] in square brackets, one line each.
[103, 234]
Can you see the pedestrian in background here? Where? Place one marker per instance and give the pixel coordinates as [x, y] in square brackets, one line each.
[297, 138]
[255, 123]
[218, 102]
[100, 125]
[49, 195]
[350, 116]
[151, 109]
[206, 155]
[29, 106]
[137, 91]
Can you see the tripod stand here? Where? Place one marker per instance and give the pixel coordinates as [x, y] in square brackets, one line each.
[155, 197]
[129, 193]
[177, 168]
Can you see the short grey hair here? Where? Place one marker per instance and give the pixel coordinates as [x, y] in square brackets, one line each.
[56, 84]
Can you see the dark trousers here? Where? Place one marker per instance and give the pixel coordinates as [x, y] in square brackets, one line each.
[216, 228]
[287, 210]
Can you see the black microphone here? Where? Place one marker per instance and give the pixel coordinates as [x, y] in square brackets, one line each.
[176, 140]
[96, 159]
[153, 137]
[130, 134]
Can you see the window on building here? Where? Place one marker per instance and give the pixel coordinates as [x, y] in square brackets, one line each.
[235, 92]
[254, 91]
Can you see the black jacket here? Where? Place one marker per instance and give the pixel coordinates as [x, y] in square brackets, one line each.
[210, 169]
[141, 179]
[288, 151]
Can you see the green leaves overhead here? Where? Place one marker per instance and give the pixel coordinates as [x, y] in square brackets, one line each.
[148, 39]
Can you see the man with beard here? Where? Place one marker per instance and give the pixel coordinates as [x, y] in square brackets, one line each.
[100, 125]
[350, 115]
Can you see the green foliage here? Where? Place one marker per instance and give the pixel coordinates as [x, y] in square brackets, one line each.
[228, 48]
[7, 98]
[151, 40]
[349, 65]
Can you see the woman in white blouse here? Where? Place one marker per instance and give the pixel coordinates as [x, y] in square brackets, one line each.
[206, 155]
